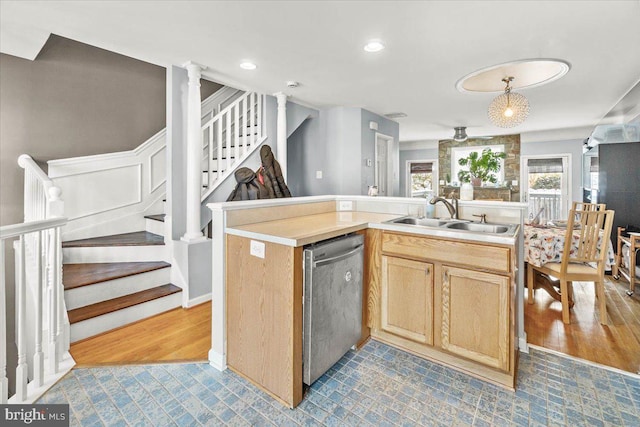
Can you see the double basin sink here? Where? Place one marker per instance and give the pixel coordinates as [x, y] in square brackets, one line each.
[456, 224]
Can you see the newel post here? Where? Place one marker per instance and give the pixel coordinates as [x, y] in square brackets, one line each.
[194, 154]
[282, 132]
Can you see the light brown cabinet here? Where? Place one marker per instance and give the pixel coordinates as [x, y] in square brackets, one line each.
[449, 300]
[407, 299]
[475, 315]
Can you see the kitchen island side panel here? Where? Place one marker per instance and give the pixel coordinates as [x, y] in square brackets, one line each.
[264, 316]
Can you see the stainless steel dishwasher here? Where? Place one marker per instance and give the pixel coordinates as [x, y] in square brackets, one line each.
[332, 321]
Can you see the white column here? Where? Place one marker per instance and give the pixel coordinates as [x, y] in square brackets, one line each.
[194, 154]
[282, 133]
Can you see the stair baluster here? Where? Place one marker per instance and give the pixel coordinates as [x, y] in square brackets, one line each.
[237, 130]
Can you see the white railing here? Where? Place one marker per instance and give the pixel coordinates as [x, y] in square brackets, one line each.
[230, 137]
[40, 315]
[41, 196]
[550, 202]
[42, 325]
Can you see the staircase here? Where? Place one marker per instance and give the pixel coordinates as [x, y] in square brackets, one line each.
[116, 279]
[98, 260]
[111, 281]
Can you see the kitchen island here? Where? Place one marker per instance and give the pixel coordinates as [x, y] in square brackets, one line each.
[446, 295]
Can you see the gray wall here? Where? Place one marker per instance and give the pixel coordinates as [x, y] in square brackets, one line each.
[337, 143]
[572, 147]
[302, 169]
[73, 100]
[405, 155]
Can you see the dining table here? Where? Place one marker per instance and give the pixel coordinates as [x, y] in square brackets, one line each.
[545, 243]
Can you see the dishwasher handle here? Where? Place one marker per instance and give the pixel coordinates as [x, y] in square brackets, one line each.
[337, 258]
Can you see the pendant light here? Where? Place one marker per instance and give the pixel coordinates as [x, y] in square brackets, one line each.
[508, 109]
[460, 134]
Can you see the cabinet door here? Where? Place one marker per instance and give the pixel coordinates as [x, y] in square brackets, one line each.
[475, 316]
[407, 299]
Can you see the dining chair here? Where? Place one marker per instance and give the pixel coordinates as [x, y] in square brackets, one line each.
[581, 206]
[585, 262]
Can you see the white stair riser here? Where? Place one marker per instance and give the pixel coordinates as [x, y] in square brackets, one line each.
[106, 322]
[98, 292]
[155, 227]
[115, 254]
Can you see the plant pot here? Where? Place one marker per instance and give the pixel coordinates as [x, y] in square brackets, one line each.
[466, 191]
[476, 182]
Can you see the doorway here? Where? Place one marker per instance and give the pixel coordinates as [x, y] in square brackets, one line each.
[384, 174]
[422, 178]
[546, 185]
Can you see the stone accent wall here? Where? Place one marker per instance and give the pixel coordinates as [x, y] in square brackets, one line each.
[511, 166]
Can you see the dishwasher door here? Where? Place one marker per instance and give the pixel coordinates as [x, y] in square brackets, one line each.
[332, 321]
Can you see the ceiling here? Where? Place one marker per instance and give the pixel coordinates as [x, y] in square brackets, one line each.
[429, 46]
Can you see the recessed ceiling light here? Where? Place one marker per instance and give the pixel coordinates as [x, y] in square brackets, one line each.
[374, 46]
[247, 65]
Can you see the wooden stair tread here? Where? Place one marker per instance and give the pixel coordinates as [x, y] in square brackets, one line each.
[109, 306]
[157, 217]
[137, 238]
[78, 275]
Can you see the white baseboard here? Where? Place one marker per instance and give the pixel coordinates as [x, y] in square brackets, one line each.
[523, 346]
[198, 300]
[217, 360]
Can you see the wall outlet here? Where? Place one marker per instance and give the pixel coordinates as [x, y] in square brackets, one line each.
[318, 174]
[368, 162]
[345, 205]
[257, 249]
[514, 182]
[441, 182]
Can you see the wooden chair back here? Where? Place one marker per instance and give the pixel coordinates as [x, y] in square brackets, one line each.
[580, 206]
[594, 233]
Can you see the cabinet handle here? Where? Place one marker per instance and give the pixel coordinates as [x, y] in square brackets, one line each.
[427, 270]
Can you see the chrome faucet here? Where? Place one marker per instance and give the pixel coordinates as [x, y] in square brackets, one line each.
[452, 206]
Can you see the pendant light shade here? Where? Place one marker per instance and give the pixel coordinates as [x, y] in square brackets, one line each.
[509, 109]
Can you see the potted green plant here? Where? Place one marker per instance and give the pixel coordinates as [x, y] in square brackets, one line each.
[482, 167]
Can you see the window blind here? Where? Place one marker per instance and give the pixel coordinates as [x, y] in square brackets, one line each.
[421, 167]
[545, 165]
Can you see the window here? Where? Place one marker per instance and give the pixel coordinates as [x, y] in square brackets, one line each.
[458, 153]
[546, 186]
[421, 177]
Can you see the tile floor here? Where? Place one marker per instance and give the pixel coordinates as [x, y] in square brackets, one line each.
[379, 386]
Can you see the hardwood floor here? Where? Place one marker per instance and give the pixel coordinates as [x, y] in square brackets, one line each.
[616, 345]
[177, 335]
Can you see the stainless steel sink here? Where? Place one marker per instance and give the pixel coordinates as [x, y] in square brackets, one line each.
[456, 224]
[479, 228]
[425, 222]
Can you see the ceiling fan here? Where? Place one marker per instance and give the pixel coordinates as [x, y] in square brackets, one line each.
[460, 135]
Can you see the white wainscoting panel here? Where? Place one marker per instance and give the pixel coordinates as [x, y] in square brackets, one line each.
[97, 191]
[157, 168]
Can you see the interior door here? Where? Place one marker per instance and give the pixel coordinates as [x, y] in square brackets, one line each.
[384, 165]
[545, 186]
